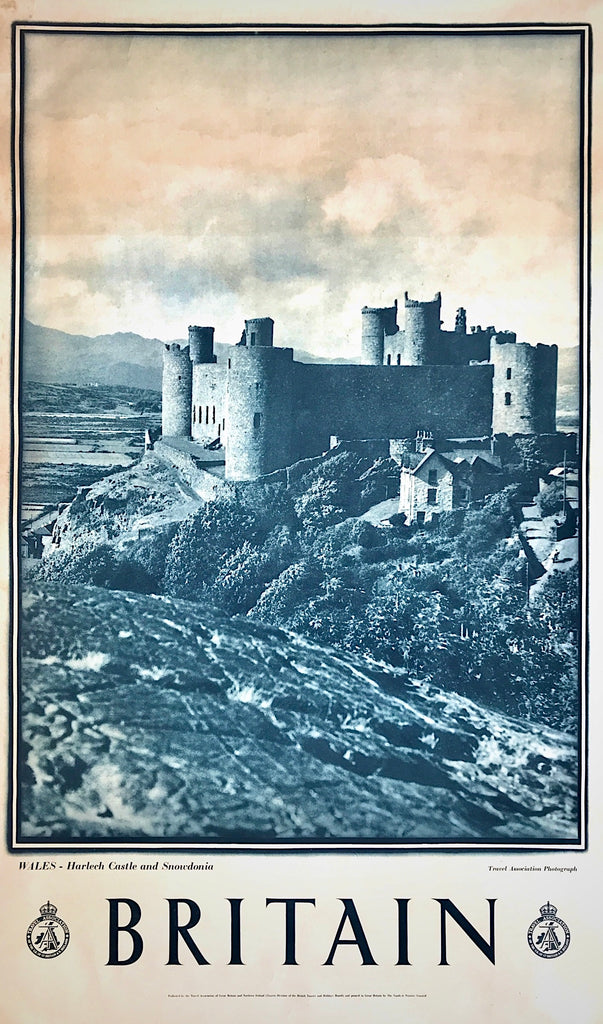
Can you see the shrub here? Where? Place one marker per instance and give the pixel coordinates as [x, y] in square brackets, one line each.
[550, 499]
[202, 542]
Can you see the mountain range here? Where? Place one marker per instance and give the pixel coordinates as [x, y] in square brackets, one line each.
[55, 357]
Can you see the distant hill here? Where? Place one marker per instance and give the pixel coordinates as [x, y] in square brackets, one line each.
[310, 357]
[37, 396]
[54, 357]
[568, 384]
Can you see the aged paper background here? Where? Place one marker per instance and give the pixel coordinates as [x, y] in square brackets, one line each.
[79, 986]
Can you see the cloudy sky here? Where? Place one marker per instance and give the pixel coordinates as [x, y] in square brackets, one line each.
[205, 179]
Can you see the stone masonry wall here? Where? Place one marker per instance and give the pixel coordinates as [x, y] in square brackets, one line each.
[525, 388]
[176, 392]
[387, 401]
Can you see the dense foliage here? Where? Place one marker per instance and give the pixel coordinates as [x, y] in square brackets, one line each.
[448, 604]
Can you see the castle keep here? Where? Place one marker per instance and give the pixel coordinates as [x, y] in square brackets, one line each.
[266, 411]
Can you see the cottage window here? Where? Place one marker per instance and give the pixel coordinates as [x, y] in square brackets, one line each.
[507, 397]
[508, 373]
[420, 518]
[433, 478]
[432, 496]
[257, 419]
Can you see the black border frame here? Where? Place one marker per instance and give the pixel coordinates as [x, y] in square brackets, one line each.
[15, 844]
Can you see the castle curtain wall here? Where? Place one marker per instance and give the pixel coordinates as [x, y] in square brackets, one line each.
[209, 385]
[381, 401]
[453, 348]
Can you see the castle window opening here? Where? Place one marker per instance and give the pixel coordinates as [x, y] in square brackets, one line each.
[253, 337]
[507, 397]
[508, 373]
[224, 424]
[194, 414]
[229, 364]
[420, 518]
[432, 496]
[206, 414]
[257, 419]
[389, 360]
[398, 357]
[433, 478]
[213, 414]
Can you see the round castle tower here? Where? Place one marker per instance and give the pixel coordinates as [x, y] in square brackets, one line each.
[259, 402]
[524, 387]
[422, 332]
[259, 331]
[376, 323]
[176, 391]
[201, 345]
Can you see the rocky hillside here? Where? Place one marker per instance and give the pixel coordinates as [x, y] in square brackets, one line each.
[152, 717]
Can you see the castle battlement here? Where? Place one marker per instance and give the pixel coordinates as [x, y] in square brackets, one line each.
[265, 411]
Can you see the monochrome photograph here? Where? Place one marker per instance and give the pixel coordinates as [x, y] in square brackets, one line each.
[299, 389]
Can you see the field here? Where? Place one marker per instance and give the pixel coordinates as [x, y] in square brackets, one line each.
[72, 436]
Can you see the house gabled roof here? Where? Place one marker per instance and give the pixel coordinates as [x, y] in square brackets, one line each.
[416, 460]
[412, 460]
[489, 464]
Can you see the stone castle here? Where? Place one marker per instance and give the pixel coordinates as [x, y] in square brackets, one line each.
[265, 411]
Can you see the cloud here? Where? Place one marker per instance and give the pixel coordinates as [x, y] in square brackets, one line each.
[375, 191]
[206, 179]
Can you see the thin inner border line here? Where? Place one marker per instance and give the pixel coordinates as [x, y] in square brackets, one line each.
[20, 30]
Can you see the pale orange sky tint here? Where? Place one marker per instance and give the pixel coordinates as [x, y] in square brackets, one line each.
[204, 179]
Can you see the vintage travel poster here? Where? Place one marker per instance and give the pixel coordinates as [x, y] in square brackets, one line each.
[300, 548]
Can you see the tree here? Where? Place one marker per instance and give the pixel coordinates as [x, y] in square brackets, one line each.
[201, 543]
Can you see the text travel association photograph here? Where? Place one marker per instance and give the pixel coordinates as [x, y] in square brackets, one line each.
[300, 352]
[299, 381]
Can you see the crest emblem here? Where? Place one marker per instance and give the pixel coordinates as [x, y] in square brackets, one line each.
[48, 936]
[548, 935]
